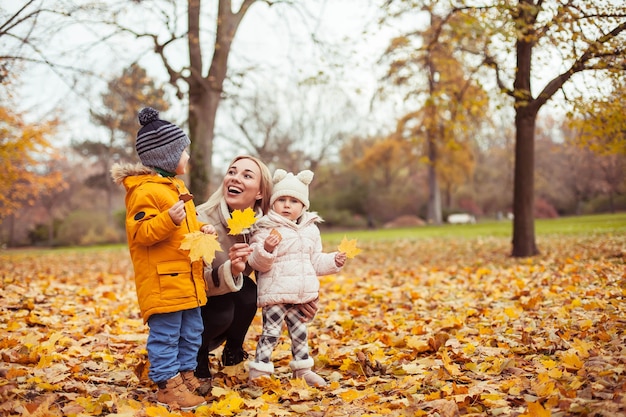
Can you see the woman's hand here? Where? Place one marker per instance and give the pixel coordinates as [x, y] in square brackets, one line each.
[309, 309]
[238, 255]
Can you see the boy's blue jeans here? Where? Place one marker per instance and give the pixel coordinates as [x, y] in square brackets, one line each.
[173, 343]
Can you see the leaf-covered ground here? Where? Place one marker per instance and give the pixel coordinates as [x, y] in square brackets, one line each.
[430, 327]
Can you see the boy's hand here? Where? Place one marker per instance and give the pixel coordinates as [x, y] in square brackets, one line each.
[340, 259]
[208, 229]
[177, 212]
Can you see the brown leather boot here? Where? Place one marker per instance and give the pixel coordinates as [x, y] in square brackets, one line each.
[194, 384]
[175, 395]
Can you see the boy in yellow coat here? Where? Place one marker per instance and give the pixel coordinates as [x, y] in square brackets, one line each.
[170, 288]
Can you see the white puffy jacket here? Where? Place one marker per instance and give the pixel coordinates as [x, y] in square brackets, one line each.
[289, 275]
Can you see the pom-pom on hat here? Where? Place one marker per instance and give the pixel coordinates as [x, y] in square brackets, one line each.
[159, 143]
[288, 185]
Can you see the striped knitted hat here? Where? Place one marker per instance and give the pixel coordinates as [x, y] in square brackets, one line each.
[159, 143]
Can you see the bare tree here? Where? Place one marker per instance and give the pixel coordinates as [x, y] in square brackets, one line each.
[118, 115]
[201, 79]
[29, 30]
[292, 129]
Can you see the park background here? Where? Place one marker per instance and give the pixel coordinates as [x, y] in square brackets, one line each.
[406, 111]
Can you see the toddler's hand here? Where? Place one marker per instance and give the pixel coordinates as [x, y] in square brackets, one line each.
[271, 241]
[208, 229]
[340, 259]
[177, 212]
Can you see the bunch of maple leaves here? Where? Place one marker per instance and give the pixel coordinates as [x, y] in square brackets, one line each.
[426, 327]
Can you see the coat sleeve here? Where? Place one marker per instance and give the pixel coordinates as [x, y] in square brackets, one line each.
[260, 259]
[323, 263]
[223, 273]
[148, 225]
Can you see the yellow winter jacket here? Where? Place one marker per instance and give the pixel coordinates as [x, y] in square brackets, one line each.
[165, 278]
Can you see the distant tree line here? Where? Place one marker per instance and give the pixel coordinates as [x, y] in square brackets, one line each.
[361, 182]
[456, 73]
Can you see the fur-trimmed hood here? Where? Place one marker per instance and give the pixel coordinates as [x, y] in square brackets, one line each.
[121, 171]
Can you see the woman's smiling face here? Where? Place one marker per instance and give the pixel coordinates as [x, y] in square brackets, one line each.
[242, 184]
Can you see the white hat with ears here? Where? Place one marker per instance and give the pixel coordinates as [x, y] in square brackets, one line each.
[288, 185]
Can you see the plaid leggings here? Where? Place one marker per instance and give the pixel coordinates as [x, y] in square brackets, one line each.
[273, 318]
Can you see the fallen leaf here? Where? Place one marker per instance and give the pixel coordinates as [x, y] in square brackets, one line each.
[416, 327]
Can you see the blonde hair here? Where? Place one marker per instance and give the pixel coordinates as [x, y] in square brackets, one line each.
[265, 188]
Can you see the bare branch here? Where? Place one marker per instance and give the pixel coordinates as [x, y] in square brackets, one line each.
[581, 64]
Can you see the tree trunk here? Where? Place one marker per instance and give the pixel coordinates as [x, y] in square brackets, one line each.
[526, 109]
[523, 191]
[51, 231]
[202, 112]
[579, 206]
[109, 185]
[434, 194]
[11, 222]
[205, 92]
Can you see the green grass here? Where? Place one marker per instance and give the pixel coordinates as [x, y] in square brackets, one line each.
[65, 249]
[578, 225]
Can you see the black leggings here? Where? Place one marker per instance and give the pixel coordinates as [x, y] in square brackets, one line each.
[227, 318]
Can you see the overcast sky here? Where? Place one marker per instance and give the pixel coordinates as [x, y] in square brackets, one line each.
[280, 51]
[273, 43]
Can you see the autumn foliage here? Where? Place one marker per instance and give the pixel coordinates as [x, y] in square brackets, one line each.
[409, 327]
[27, 156]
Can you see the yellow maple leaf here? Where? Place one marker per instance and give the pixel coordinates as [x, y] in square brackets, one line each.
[240, 220]
[449, 365]
[417, 343]
[349, 248]
[412, 368]
[536, 410]
[201, 245]
[159, 411]
[230, 405]
[300, 408]
[543, 386]
[350, 395]
[572, 361]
